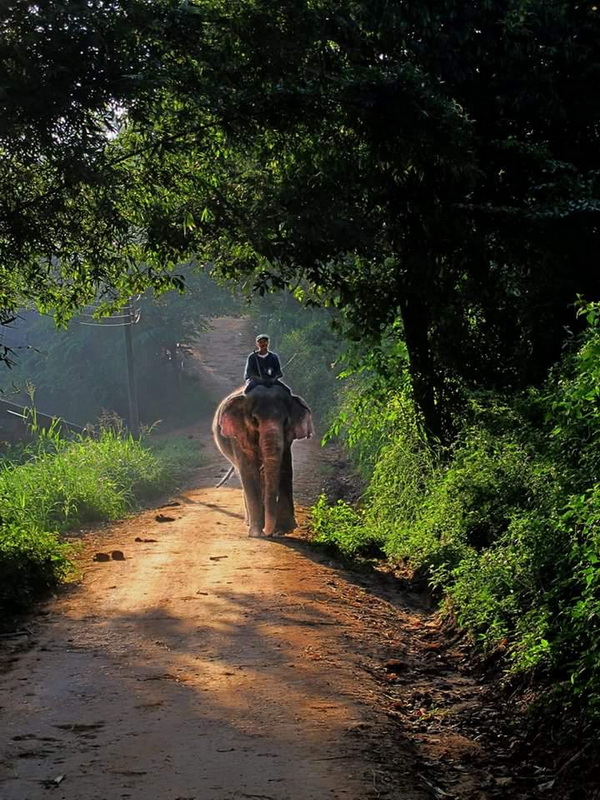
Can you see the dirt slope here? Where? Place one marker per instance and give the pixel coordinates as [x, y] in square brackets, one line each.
[206, 665]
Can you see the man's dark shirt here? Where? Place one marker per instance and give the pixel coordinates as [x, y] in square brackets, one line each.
[265, 368]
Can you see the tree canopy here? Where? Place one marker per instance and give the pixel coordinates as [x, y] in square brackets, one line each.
[436, 163]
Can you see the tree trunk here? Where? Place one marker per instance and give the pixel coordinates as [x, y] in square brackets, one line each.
[415, 320]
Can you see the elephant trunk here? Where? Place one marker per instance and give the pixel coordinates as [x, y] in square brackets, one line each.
[271, 442]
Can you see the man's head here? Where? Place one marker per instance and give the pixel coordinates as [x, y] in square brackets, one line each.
[262, 342]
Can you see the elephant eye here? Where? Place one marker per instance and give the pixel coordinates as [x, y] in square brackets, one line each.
[254, 421]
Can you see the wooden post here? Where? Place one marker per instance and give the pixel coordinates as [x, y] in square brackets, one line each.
[134, 415]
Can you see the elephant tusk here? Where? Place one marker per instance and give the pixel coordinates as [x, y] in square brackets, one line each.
[225, 478]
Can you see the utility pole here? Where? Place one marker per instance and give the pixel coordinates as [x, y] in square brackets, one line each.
[134, 414]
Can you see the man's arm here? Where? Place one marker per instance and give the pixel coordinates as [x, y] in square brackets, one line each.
[251, 370]
[277, 373]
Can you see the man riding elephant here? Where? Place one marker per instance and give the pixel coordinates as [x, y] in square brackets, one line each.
[263, 367]
[255, 432]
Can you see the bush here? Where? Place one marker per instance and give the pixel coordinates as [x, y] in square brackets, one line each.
[506, 523]
[32, 562]
[342, 529]
[503, 593]
[578, 623]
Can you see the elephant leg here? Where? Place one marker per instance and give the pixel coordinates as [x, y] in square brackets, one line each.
[286, 520]
[251, 484]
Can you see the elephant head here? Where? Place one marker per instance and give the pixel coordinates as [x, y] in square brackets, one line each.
[255, 432]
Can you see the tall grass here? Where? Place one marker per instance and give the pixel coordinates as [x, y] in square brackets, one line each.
[55, 485]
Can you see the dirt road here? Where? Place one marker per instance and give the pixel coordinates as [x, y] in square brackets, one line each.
[206, 665]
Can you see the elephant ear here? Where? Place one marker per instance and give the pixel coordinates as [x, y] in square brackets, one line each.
[231, 420]
[301, 423]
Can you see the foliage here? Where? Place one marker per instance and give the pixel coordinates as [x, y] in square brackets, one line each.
[76, 482]
[32, 561]
[69, 70]
[430, 172]
[579, 624]
[58, 485]
[373, 398]
[399, 181]
[531, 583]
[438, 165]
[341, 528]
[572, 408]
[504, 523]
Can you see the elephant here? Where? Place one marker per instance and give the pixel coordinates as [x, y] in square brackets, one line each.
[255, 432]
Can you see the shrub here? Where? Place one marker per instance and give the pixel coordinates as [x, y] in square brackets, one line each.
[505, 522]
[32, 562]
[342, 528]
[578, 623]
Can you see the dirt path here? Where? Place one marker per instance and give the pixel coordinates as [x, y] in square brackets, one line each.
[206, 665]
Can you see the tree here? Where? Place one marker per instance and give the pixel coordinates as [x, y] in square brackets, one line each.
[70, 69]
[437, 164]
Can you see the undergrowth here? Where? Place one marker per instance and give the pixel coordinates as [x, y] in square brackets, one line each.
[505, 523]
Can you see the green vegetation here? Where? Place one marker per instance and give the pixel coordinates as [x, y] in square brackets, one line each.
[57, 485]
[504, 523]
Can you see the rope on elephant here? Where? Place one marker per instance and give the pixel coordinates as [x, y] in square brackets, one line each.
[225, 478]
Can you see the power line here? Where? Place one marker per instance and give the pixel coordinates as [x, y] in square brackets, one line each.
[112, 316]
[106, 324]
[132, 315]
[131, 319]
